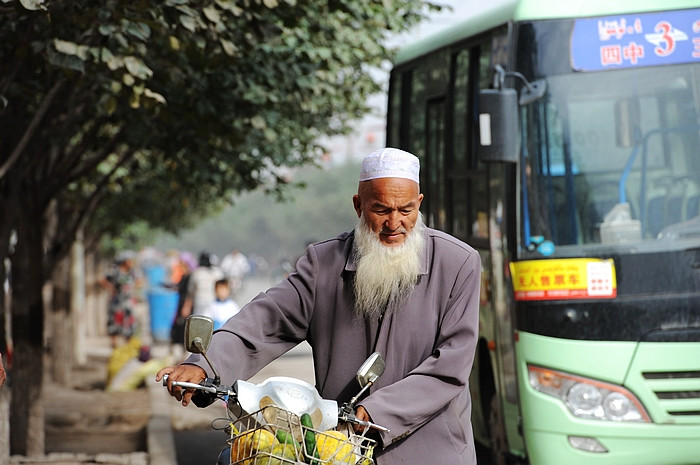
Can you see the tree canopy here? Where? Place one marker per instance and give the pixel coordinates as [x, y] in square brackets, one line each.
[181, 100]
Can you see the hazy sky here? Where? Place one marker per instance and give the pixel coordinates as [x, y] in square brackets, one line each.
[460, 10]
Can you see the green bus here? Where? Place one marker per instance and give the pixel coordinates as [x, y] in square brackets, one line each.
[561, 139]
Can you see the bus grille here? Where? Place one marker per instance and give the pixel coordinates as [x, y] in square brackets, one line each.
[677, 391]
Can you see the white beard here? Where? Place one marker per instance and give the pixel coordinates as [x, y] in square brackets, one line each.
[385, 275]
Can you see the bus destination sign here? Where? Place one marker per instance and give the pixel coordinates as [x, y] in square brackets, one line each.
[564, 279]
[629, 41]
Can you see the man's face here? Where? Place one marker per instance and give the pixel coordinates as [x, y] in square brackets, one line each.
[390, 207]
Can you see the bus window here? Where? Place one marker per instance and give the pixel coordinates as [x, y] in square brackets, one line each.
[574, 172]
[435, 166]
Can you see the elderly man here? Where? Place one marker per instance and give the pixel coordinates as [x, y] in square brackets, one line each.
[393, 286]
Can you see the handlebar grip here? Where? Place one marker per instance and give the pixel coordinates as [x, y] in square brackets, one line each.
[203, 399]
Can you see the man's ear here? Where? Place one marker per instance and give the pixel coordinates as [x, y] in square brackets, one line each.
[357, 203]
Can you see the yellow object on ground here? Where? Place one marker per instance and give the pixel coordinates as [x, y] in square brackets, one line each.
[134, 374]
[247, 444]
[333, 446]
[121, 355]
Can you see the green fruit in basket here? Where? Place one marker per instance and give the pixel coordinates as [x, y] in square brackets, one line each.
[309, 439]
[285, 437]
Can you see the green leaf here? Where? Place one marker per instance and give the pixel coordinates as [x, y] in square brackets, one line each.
[33, 4]
[230, 5]
[107, 29]
[138, 30]
[71, 48]
[136, 67]
[154, 95]
[228, 46]
[258, 122]
[212, 14]
[188, 22]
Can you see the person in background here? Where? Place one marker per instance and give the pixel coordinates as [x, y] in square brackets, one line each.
[186, 263]
[200, 289]
[176, 269]
[393, 285]
[121, 281]
[3, 374]
[235, 266]
[224, 307]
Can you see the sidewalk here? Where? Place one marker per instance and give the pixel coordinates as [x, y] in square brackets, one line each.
[67, 407]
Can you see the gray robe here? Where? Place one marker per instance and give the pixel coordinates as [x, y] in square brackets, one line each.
[428, 345]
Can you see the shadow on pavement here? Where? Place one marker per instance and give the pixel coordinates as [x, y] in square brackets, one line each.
[198, 447]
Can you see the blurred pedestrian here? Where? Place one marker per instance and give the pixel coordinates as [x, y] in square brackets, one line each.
[186, 263]
[176, 269]
[121, 280]
[200, 289]
[224, 307]
[235, 265]
[3, 375]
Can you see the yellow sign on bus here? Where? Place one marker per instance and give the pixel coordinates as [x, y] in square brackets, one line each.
[561, 279]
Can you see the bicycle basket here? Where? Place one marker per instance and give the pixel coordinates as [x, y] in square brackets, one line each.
[274, 436]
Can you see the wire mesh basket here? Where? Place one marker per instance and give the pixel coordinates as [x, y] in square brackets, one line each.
[274, 436]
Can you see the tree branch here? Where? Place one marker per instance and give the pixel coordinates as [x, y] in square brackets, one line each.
[31, 130]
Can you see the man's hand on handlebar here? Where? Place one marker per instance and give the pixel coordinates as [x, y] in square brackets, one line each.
[362, 415]
[184, 372]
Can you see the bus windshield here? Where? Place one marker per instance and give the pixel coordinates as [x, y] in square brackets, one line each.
[612, 159]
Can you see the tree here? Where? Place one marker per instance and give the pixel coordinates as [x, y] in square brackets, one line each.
[174, 102]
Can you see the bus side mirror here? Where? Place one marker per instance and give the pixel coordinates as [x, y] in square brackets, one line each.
[499, 136]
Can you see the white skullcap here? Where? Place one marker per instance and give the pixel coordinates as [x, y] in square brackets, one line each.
[390, 163]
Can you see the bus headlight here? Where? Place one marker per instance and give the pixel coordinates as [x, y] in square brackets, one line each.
[588, 398]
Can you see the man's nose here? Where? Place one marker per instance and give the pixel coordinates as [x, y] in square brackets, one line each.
[393, 221]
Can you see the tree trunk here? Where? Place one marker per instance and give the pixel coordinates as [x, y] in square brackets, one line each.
[97, 298]
[77, 300]
[26, 409]
[5, 390]
[61, 327]
[4, 425]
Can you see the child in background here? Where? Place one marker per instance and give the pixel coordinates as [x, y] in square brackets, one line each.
[224, 306]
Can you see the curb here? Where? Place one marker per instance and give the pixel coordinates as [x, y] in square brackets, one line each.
[161, 442]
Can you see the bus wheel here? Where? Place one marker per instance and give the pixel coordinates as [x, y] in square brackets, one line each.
[497, 432]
